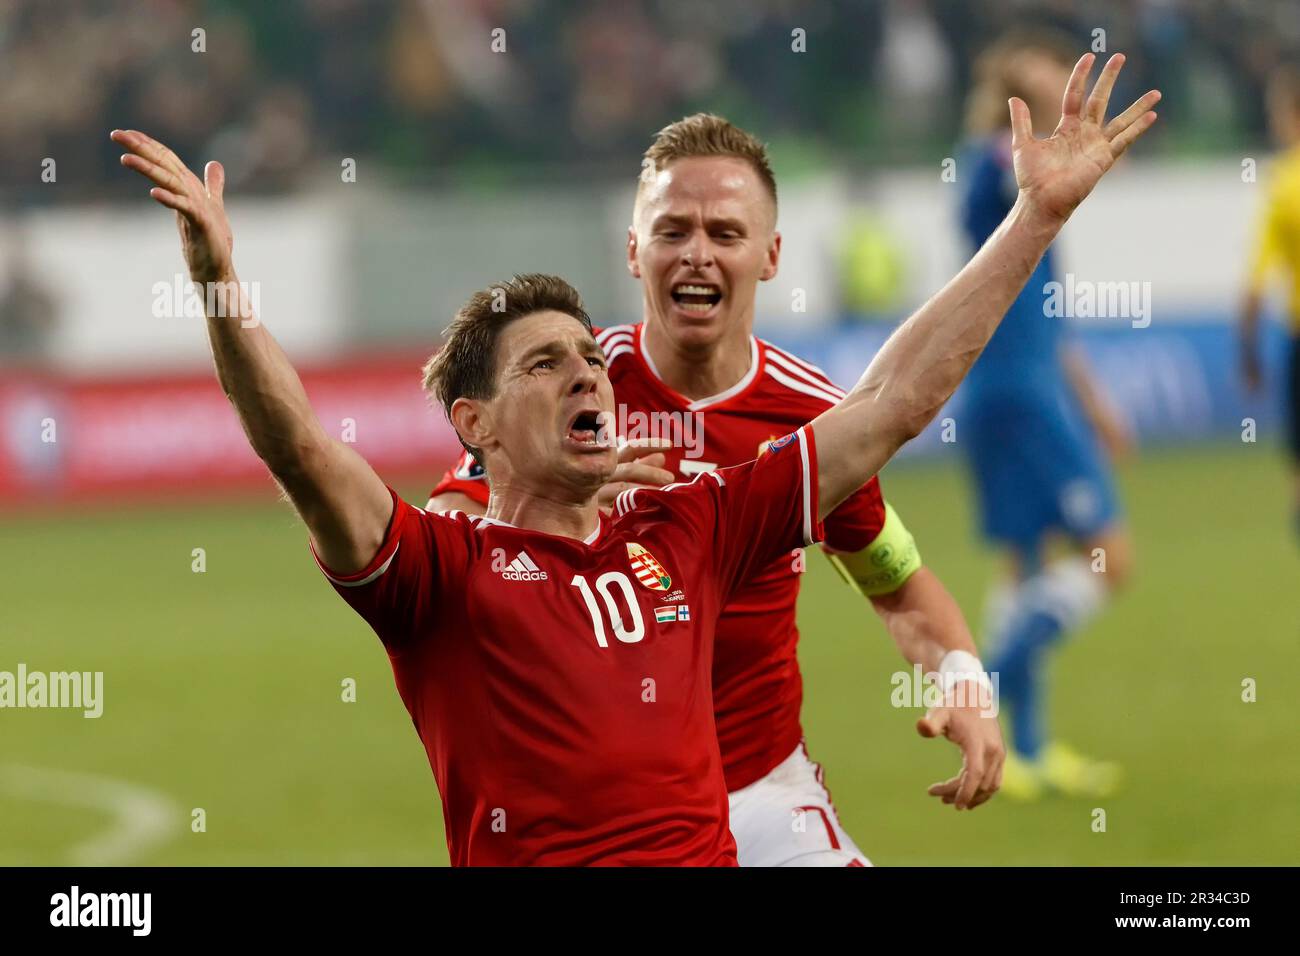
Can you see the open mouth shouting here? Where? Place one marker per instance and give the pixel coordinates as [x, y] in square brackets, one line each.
[586, 430]
[696, 298]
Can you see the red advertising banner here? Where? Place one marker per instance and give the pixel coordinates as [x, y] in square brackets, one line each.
[77, 439]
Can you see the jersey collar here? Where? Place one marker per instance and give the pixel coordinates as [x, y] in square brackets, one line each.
[588, 540]
[702, 403]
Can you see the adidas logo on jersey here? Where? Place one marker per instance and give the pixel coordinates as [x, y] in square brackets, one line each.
[522, 568]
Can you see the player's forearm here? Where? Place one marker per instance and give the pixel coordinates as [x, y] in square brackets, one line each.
[924, 620]
[262, 385]
[923, 362]
[343, 503]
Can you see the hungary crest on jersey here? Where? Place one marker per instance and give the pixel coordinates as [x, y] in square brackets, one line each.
[647, 570]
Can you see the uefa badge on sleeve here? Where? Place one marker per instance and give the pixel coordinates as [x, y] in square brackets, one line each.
[776, 444]
[648, 571]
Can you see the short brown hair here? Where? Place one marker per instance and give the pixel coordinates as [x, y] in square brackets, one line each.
[707, 135]
[465, 366]
[996, 79]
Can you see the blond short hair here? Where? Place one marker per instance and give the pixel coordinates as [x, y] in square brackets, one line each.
[705, 134]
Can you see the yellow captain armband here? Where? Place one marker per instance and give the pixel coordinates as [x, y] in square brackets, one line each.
[882, 566]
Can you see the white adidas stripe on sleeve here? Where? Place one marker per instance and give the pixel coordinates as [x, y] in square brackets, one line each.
[800, 372]
[367, 579]
[818, 374]
[801, 386]
[808, 516]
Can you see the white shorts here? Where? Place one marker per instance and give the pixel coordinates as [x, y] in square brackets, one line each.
[787, 819]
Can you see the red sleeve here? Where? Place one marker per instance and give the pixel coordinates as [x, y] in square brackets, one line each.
[420, 565]
[754, 513]
[467, 477]
[858, 520]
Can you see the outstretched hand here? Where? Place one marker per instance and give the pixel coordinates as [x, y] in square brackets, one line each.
[1058, 173]
[982, 752]
[206, 239]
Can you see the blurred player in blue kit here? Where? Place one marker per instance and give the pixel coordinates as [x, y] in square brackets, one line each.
[1036, 432]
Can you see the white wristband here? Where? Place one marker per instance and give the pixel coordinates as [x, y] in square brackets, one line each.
[958, 666]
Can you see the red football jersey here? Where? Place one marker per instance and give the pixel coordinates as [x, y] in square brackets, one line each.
[562, 688]
[757, 687]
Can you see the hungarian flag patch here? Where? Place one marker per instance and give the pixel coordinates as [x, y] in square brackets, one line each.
[648, 571]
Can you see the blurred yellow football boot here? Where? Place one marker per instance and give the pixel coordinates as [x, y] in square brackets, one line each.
[1021, 778]
[1065, 770]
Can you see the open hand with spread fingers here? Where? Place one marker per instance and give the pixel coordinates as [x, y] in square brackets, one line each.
[206, 240]
[1057, 173]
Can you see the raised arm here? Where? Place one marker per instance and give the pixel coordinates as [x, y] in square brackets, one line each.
[922, 363]
[344, 504]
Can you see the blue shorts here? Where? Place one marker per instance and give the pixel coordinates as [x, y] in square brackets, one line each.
[1038, 468]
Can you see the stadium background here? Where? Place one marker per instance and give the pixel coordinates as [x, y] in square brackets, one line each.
[223, 688]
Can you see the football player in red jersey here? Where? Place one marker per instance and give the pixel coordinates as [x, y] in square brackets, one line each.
[563, 698]
[703, 237]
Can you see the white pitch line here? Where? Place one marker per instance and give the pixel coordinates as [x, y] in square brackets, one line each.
[142, 818]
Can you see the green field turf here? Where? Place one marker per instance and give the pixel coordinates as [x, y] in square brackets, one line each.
[223, 690]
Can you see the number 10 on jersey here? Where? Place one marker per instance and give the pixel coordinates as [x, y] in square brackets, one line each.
[605, 585]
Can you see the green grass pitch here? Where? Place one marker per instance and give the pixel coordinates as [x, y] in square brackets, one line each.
[223, 690]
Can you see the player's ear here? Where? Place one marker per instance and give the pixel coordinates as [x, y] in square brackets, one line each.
[471, 421]
[772, 258]
[632, 266]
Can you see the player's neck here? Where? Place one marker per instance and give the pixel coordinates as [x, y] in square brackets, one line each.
[537, 512]
[702, 372]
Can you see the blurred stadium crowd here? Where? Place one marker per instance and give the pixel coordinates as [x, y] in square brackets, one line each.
[285, 87]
